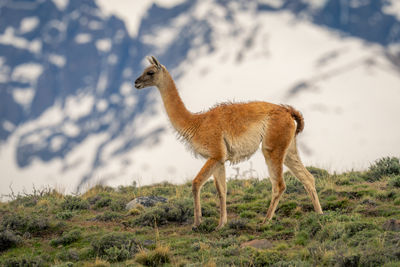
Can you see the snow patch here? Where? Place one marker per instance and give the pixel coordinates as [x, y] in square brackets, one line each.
[4, 71]
[28, 24]
[23, 96]
[56, 143]
[57, 60]
[317, 4]
[8, 126]
[130, 11]
[27, 72]
[273, 3]
[101, 105]
[102, 83]
[126, 89]
[112, 59]
[104, 45]
[79, 106]
[61, 4]
[392, 8]
[95, 25]
[70, 129]
[83, 38]
[9, 38]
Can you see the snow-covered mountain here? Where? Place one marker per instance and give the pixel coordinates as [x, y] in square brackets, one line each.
[70, 117]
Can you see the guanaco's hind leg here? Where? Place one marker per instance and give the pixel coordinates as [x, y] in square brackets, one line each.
[205, 173]
[274, 160]
[293, 162]
[220, 184]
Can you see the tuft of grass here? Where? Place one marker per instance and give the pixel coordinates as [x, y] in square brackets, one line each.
[157, 257]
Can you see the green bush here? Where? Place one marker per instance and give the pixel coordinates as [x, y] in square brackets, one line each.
[9, 239]
[103, 202]
[115, 246]
[118, 204]
[207, 225]
[65, 215]
[178, 210]
[108, 216]
[238, 224]
[318, 173]
[387, 166]
[66, 238]
[352, 228]
[32, 223]
[395, 181]
[23, 261]
[74, 203]
[68, 255]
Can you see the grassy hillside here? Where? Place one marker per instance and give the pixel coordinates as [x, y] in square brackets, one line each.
[360, 226]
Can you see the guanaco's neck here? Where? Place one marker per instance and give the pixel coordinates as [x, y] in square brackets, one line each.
[182, 119]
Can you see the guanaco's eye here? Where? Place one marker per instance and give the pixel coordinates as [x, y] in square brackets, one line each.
[150, 72]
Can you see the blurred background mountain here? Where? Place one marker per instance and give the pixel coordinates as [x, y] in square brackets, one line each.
[70, 116]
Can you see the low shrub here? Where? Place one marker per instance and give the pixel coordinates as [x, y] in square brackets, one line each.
[9, 239]
[108, 216]
[118, 204]
[178, 210]
[24, 260]
[238, 224]
[74, 203]
[66, 238]
[68, 255]
[115, 246]
[207, 225]
[157, 257]
[395, 181]
[352, 228]
[31, 223]
[65, 215]
[387, 166]
[318, 173]
[103, 202]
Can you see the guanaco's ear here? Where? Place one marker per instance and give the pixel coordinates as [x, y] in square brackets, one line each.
[154, 62]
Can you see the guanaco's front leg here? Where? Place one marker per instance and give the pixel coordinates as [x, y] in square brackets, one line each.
[200, 179]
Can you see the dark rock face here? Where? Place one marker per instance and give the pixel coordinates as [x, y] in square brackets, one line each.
[149, 201]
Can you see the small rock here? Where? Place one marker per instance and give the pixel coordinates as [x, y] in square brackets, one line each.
[148, 201]
[392, 225]
[260, 244]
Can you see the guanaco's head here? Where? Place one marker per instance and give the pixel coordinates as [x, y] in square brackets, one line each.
[152, 75]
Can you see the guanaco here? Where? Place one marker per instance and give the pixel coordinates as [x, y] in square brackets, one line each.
[233, 132]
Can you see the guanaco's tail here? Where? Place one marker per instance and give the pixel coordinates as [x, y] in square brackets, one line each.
[297, 116]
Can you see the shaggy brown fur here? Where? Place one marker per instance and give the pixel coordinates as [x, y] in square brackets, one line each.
[233, 132]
